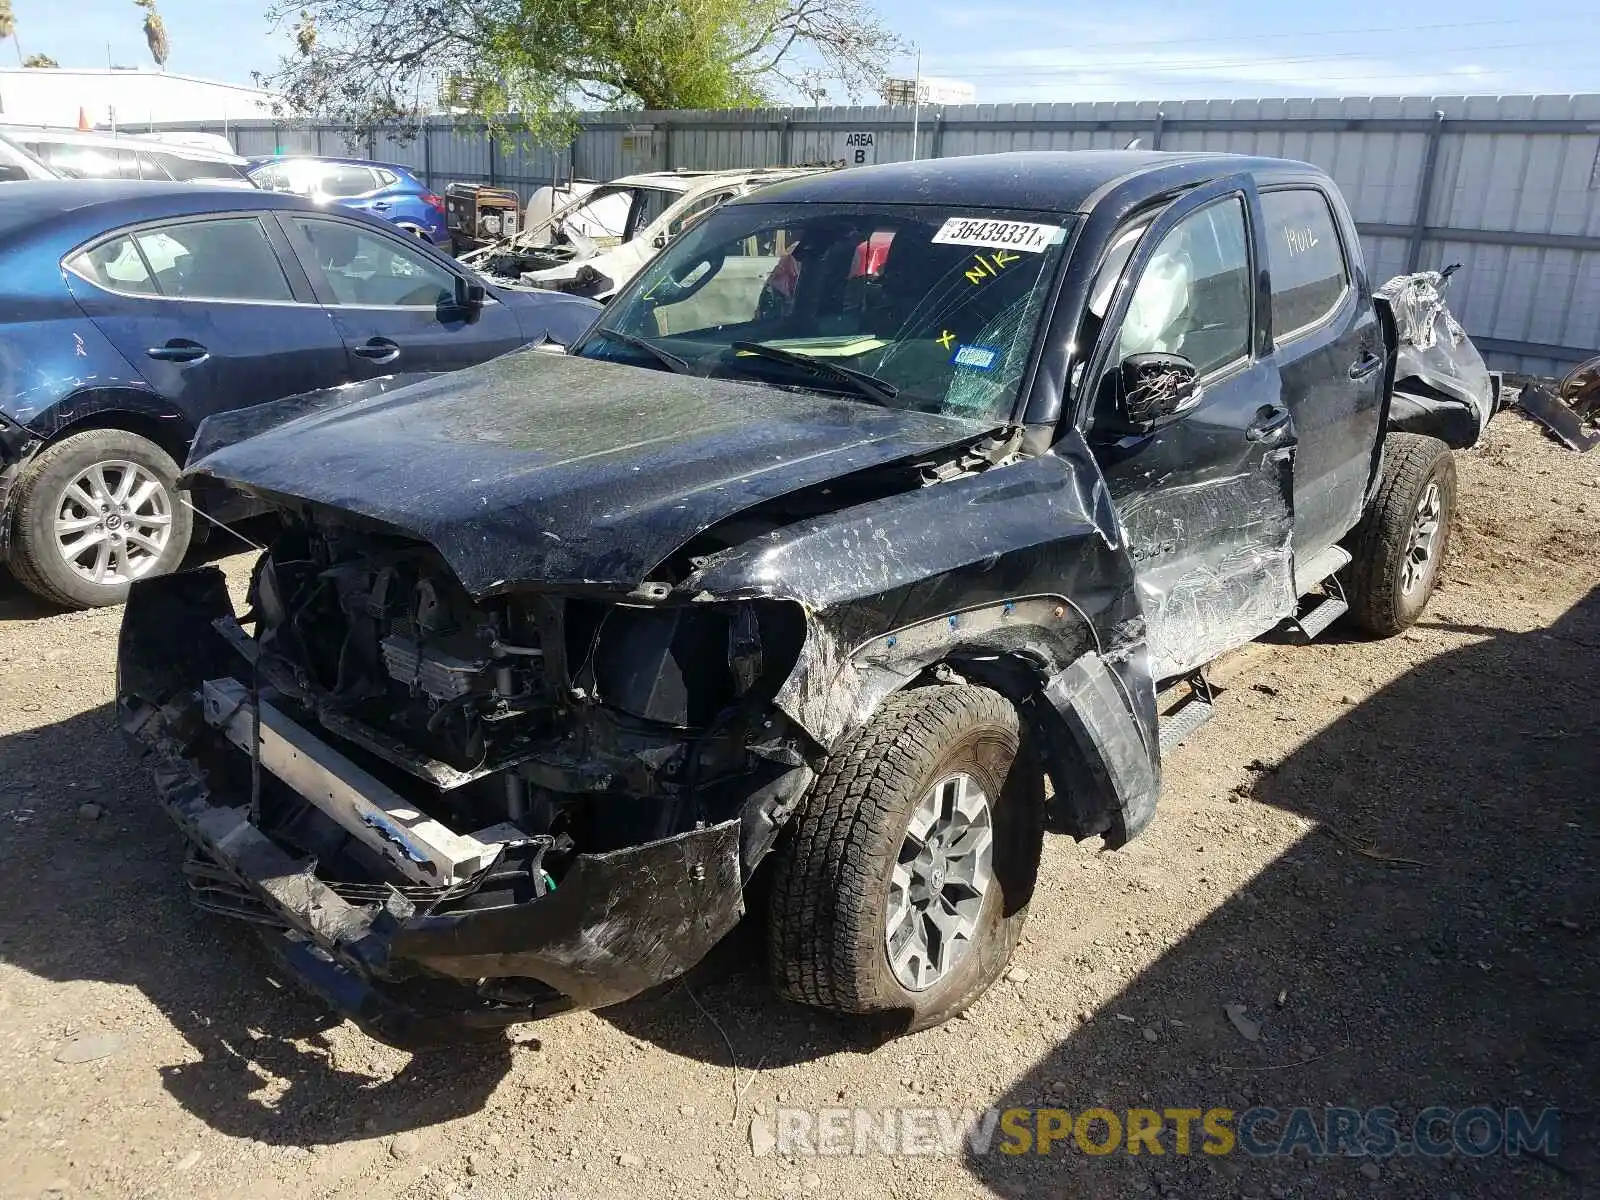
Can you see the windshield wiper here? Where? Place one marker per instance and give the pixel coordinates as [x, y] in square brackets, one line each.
[665, 357]
[869, 386]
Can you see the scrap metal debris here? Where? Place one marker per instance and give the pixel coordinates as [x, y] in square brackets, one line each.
[1571, 410]
[1249, 1030]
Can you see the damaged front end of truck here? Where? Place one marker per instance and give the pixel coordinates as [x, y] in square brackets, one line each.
[512, 717]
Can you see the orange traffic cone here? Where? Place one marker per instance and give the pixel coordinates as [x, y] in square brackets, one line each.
[83, 120]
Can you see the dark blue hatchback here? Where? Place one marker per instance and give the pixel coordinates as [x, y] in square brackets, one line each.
[131, 311]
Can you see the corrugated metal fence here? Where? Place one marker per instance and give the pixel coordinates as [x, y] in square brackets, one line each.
[1507, 185]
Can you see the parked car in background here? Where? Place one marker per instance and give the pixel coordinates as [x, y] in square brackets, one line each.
[79, 155]
[17, 164]
[131, 311]
[596, 243]
[385, 190]
[203, 141]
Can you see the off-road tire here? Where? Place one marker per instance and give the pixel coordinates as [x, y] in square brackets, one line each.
[34, 559]
[1380, 543]
[830, 888]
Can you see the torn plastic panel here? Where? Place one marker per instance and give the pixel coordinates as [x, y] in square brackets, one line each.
[1441, 386]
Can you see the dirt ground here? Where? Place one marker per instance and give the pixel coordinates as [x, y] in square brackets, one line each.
[1385, 851]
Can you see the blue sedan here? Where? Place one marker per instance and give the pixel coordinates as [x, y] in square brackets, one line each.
[384, 190]
[130, 311]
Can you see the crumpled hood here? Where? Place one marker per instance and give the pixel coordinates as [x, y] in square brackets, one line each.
[550, 469]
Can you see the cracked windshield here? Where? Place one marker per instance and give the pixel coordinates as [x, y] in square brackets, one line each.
[909, 306]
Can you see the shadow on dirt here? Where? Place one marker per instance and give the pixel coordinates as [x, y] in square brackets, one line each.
[103, 900]
[1464, 976]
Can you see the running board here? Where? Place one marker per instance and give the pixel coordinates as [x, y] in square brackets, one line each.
[1190, 713]
[1323, 613]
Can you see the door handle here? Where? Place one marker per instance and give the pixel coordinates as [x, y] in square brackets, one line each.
[179, 350]
[1365, 365]
[379, 350]
[380, 205]
[1270, 418]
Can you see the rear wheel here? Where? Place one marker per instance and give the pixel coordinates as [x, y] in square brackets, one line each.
[1399, 547]
[903, 883]
[94, 512]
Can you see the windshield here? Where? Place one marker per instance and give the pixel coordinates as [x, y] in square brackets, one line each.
[914, 306]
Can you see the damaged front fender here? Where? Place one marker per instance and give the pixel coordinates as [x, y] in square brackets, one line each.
[1008, 577]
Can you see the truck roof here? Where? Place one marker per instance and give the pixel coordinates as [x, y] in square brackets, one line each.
[686, 181]
[1066, 181]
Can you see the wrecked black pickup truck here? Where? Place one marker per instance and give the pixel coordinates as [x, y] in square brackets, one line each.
[875, 499]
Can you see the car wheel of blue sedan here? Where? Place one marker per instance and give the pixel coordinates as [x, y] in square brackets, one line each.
[96, 511]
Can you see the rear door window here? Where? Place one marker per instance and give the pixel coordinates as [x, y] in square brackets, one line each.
[116, 266]
[1304, 255]
[347, 181]
[228, 259]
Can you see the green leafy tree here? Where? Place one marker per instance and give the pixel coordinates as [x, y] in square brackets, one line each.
[40, 61]
[365, 62]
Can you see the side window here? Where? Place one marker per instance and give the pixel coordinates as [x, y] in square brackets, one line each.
[115, 266]
[1309, 274]
[386, 178]
[694, 211]
[149, 167]
[194, 169]
[369, 269]
[76, 162]
[347, 181]
[1193, 298]
[229, 259]
[273, 177]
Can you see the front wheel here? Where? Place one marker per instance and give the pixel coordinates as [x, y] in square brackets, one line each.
[1399, 547]
[902, 886]
[94, 512]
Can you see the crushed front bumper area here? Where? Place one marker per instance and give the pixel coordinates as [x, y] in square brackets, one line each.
[412, 965]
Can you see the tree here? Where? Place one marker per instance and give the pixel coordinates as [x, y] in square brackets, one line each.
[155, 32]
[8, 27]
[40, 61]
[362, 62]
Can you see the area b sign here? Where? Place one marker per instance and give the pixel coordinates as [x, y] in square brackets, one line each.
[856, 149]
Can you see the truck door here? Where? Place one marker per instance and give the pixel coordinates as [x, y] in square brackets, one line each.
[1204, 490]
[1330, 354]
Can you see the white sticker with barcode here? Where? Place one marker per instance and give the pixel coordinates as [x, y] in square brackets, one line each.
[1027, 236]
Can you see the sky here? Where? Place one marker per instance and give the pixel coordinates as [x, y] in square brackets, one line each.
[1033, 50]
